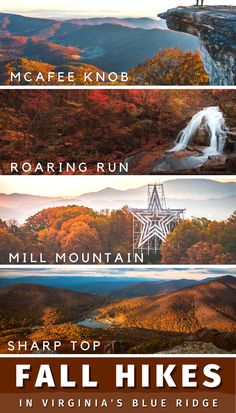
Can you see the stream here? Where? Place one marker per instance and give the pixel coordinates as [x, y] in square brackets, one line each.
[92, 323]
[179, 157]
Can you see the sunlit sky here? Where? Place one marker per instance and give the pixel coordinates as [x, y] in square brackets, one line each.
[187, 273]
[72, 186]
[94, 8]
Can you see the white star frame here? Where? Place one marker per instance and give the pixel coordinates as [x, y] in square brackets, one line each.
[152, 225]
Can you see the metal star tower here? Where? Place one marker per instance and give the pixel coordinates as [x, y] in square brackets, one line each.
[152, 225]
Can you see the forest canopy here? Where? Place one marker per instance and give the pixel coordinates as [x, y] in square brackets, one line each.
[99, 125]
[83, 230]
[171, 67]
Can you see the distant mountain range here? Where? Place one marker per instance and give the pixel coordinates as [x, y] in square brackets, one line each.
[200, 197]
[210, 304]
[134, 23]
[90, 284]
[110, 44]
[113, 287]
[33, 48]
[149, 288]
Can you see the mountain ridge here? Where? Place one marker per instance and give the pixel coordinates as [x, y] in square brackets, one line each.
[150, 288]
[212, 199]
[145, 23]
[206, 305]
[101, 45]
[25, 304]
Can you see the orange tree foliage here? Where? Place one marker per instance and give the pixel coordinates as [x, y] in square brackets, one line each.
[9, 243]
[94, 125]
[51, 316]
[24, 65]
[207, 253]
[209, 304]
[201, 242]
[70, 229]
[25, 305]
[79, 236]
[77, 229]
[171, 67]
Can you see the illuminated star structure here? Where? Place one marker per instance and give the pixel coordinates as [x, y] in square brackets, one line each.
[152, 225]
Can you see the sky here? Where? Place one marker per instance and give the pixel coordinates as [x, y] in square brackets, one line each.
[94, 8]
[73, 186]
[165, 273]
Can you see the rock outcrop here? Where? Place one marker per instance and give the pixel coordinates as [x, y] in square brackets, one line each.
[195, 347]
[215, 26]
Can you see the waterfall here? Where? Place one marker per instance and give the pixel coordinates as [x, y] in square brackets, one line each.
[215, 123]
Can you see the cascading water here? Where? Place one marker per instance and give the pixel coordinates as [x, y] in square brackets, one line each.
[215, 123]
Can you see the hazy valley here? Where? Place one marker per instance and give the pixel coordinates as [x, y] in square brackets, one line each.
[200, 197]
[98, 42]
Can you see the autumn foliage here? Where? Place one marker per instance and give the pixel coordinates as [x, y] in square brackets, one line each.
[82, 230]
[68, 229]
[27, 305]
[99, 125]
[210, 304]
[171, 67]
[201, 241]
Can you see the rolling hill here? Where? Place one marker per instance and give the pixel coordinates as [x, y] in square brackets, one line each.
[33, 26]
[23, 65]
[37, 49]
[149, 288]
[207, 305]
[24, 304]
[113, 287]
[200, 197]
[91, 284]
[101, 45]
[135, 23]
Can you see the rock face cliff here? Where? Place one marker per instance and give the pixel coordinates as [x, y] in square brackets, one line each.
[215, 26]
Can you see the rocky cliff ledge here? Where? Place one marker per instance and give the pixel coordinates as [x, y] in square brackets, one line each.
[215, 27]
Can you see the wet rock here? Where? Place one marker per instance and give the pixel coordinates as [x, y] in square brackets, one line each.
[173, 161]
[214, 164]
[134, 159]
[202, 136]
[190, 151]
[215, 26]
[192, 161]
